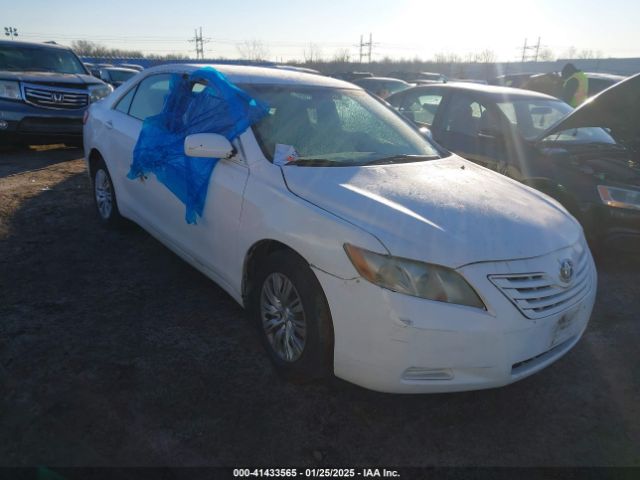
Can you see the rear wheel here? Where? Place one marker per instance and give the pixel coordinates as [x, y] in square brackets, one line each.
[104, 196]
[289, 306]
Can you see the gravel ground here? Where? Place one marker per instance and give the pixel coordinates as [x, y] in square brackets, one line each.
[115, 352]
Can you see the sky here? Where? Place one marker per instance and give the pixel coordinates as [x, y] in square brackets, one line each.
[400, 29]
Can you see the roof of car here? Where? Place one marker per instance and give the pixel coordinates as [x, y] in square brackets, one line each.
[482, 89]
[605, 76]
[120, 69]
[378, 79]
[17, 43]
[259, 75]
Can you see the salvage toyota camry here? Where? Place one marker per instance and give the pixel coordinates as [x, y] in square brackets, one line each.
[359, 247]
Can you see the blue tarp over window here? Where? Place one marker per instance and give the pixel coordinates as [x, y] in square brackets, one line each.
[201, 102]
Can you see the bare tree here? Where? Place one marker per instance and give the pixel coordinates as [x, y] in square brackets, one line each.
[486, 56]
[253, 50]
[587, 53]
[447, 58]
[342, 55]
[546, 55]
[312, 53]
[87, 48]
[570, 52]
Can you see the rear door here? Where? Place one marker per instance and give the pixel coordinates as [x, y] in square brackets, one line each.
[125, 122]
[467, 127]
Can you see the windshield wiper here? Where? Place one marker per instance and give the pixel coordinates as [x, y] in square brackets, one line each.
[314, 162]
[400, 159]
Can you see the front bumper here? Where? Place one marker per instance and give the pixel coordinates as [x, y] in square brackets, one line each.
[30, 124]
[621, 229]
[613, 228]
[381, 336]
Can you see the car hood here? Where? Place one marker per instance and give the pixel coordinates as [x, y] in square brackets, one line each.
[448, 211]
[72, 79]
[617, 108]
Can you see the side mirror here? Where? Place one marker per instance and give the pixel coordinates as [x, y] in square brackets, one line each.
[425, 132]
[104, 76]
[208, 145]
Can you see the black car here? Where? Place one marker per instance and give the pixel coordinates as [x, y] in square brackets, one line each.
[541, 141]
[382, 86]
[116, 76]
[515, 80]
[44, 91]
[420, 77]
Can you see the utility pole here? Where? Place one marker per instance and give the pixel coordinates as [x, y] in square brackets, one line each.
[370, 45]
[361, 44]
[526, 56]
[11, 32]
[199, 41]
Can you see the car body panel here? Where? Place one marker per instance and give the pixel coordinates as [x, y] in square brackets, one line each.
[417, 208]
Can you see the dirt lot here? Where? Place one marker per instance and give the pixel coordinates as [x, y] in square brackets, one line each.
[114, 351]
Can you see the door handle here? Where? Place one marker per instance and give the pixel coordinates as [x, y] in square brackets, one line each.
[108, 124]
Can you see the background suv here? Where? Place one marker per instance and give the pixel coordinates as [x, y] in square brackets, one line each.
[44, 91]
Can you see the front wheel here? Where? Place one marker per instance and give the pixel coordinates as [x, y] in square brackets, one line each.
[289, 306]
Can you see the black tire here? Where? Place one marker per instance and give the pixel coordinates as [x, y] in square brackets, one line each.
[102, 189]
[316, 358]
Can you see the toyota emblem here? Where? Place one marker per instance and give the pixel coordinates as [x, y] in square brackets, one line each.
[566, 270]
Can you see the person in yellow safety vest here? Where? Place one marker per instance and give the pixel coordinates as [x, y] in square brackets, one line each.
[575, 89]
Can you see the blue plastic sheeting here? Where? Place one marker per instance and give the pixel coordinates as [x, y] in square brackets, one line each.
[221, 107]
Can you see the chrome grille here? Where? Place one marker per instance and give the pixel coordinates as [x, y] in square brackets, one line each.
[55, 97]
[539, 295]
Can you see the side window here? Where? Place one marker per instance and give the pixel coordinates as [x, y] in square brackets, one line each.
[125, 102]
[464, 116]
[422, 108]
[150, 96]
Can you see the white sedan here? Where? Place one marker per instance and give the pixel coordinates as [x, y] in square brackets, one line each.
[374, 254]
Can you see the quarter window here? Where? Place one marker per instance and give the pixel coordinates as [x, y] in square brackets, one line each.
[125, 102]
[422, 108]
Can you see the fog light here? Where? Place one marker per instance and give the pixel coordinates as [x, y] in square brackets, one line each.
[419, 374]
[4, 124]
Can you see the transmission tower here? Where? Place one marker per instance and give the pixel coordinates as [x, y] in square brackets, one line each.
[526, 56]
[366, 48]
[199, 41]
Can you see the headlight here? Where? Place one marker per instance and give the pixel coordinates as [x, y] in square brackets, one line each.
[413, 278]
[619, 197]
[10, 90]
[98, 92]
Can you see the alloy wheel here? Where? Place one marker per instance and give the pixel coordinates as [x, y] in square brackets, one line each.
[283, 318]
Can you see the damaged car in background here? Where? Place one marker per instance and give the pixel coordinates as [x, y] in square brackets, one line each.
[587, 159]
[357, 246]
